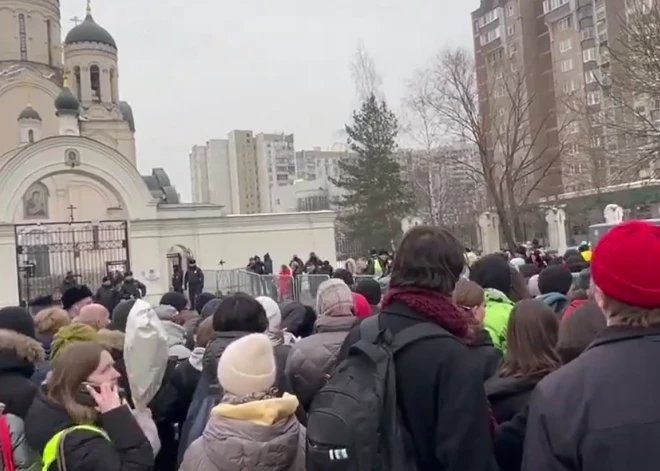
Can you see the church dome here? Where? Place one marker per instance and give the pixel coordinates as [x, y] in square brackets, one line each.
[29, 113]
[90, 31]
[66, 102]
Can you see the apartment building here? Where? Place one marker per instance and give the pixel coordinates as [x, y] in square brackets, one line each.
[317, 164]
[199, 175]
[244, 171]
[513, 51]
[275, 154]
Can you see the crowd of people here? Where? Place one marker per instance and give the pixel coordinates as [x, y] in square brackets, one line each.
[456, 367]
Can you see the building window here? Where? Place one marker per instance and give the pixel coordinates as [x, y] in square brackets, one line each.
[589, 54]
[511, 30]
[113, 94]
[499, 92]
[565, 45]
[49, 39]
[588, 33]
[22, 36]
[591, 76]
[566, 65]
[569, 87]
[488, 18]
[574, 128]
[490, 36]
[77, 78]
[95, 82]
[31, 136]
[510, 9]
[564, 24]
[594, 98]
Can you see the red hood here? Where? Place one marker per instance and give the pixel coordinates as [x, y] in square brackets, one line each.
[576, 303]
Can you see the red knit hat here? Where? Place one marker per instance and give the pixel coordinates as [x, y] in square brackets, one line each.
[624, 264]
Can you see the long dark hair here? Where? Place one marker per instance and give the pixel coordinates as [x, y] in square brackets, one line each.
[531, 340]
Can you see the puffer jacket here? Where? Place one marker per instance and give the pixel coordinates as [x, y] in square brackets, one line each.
[263, 435]
[209, 392]
[313, 358]
[498, 310]
[25, 459]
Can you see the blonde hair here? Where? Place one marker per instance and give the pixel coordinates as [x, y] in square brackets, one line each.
[51, 320]
[621, 313]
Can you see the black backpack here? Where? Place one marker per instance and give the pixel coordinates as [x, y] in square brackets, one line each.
[353, 422]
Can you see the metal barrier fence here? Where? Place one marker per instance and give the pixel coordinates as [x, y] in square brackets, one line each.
[301, 288]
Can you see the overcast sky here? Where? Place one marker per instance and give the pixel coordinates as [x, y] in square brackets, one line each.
[195, 72]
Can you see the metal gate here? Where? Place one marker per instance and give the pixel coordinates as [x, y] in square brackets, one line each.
[45, 253]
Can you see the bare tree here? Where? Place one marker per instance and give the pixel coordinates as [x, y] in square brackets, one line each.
[427, 171]
[630, 80]
[367, 80]
[518, 142]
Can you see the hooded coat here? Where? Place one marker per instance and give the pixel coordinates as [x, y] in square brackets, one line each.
[127, 450]
[313, 358]
[18, 356]
[209, 392]
[508, 395]
[485, 353]
[498, 310]
[262, 435]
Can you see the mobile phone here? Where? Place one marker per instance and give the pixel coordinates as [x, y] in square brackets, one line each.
[84, 398]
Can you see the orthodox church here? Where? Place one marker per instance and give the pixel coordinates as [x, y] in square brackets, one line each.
[73, 199]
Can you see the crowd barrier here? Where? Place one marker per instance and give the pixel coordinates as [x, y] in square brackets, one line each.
[301, 288]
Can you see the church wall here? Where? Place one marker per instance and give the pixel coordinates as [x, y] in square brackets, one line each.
[233, 239]
[92, 200]
[37, 33]
[115, 134]
[14, 100]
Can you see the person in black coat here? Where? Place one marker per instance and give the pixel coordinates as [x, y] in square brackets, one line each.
[442, 404]
[132, 288]
[108, 295]
[193, 281]
[20, 353]
[600, 412]
[298, 319]
[471, 296]
[575, 334]
[531, 355]
[68, 402]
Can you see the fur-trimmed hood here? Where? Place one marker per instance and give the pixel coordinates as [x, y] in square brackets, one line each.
[111, 339]
[21, 347]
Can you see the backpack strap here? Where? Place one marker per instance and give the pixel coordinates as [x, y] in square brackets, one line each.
[370, 328]
[417, 332]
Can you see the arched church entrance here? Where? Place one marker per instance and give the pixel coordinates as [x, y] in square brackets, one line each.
[47, 252]
[70, 215]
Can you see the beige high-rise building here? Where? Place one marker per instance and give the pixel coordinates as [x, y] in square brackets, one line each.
[512, 43]
[276, 163]
[243, 171]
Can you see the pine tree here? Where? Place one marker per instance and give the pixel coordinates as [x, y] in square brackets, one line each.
[375, 198]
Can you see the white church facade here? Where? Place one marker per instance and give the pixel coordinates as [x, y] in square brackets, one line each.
[73, 199]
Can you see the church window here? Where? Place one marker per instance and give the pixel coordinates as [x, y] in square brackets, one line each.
[95, 80]
[76, 75]
[22, 36]
[31, 136]
[49, 38]
[113, 94]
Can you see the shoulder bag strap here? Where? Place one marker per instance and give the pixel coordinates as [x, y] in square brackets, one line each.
[61, 461]
[5, 443]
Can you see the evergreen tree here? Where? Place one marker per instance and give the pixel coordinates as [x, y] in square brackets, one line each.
[375, 198]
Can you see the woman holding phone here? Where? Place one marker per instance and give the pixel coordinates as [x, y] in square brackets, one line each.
[81, 423]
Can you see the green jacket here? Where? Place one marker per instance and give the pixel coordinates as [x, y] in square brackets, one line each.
[498, 309]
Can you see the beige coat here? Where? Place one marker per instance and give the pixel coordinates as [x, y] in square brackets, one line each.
[262, 435]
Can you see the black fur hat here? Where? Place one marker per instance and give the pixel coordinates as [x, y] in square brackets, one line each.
[75, 294]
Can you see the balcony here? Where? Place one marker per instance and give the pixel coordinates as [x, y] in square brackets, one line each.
[555, 10]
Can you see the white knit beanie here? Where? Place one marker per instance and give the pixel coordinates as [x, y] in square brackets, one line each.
[272, 312]
[247, 366]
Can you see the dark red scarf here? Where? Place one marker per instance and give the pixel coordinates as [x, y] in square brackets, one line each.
[434, 306]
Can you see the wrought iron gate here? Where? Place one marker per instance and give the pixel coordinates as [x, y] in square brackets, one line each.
[45, 253]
